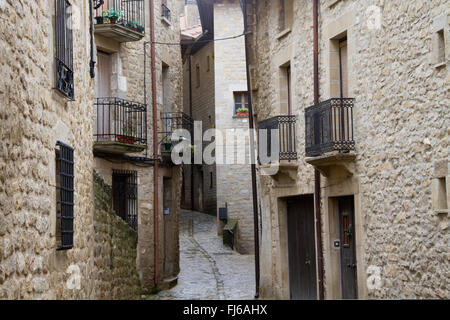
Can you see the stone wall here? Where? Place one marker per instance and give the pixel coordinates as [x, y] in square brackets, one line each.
[115, 273]
[233, 181]
[129, 65]
[33, 116]
[203, 98]
[399, 121]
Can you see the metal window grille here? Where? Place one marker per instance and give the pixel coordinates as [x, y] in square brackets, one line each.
[64, 48]
[165, 12]
[65, 191]
[127, 13]
[125, 196]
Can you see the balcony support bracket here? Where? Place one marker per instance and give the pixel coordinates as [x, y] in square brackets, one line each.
[283, 174]
[336, 165]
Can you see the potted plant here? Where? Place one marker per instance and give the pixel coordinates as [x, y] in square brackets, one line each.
[127, 136]
[140, 28]
[168, 145]
[242, 112]
[99, 20]
[112, 15]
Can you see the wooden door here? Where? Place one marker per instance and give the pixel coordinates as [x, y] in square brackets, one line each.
[301, 248]
[348, 252]
[103, 90]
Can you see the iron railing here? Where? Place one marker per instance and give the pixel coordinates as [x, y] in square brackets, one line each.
[165, 12]
[125, 196]
[127, 13]
[329, 127]
[119, 120]
[286, 126]
[172, 121]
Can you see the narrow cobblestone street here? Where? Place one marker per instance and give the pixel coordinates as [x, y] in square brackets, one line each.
[209, 270]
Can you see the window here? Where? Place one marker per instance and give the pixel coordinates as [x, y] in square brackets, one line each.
[64, 196]
[240, 103]
[439, 43]
[165, 11]
[197, 75]
[286, 14]
[125, 196]
[64, 48]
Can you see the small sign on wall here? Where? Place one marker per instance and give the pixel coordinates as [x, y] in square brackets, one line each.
[166, 211]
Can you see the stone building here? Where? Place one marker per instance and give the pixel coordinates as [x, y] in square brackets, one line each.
[215, 73]
[76, 191]
[378, 137]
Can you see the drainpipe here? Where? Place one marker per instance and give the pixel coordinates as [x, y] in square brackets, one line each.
[316, 172]
[252, 154]
[190, 114]
[91, 32]
[155, 141]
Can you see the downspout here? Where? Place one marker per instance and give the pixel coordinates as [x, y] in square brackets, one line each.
[316, 172]
[252, 154]
[190, 114]
[155, 142]
[91, 32]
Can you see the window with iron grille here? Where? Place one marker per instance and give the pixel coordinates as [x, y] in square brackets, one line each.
[64, 196]
[125, 196]
[64, 48]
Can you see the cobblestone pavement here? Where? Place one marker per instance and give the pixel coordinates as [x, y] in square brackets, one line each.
[209, 270]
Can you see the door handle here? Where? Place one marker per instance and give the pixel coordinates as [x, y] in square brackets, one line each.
[307, 261]
[353, 266]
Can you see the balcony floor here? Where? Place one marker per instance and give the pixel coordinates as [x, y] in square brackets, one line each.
[117, 32]
[118, 147]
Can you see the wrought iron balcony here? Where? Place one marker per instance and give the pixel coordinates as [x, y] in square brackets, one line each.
[121, 20]
[286, 126]
[165, 12]
[172, 121]
[121, 126]
[329, 127]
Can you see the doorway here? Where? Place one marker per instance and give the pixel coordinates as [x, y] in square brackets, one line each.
[301, 248]
[346, 214]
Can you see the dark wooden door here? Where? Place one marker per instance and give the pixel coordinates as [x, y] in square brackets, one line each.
[348, 252]
[301, 247]
[120, 195]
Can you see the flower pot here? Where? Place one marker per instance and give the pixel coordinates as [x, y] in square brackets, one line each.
[125, 139]
[242, 114]
[112, 20]
[168, 146]
[99, 20]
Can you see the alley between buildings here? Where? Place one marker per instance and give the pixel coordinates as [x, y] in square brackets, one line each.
[209, 269]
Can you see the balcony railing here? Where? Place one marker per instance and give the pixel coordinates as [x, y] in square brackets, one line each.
[165, 12]
[286, 126]
[172, 121]
[329, 127]
[121, 122]
[123, 20]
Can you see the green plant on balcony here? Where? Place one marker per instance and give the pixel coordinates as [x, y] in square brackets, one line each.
[168, 145]
[112, 16]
